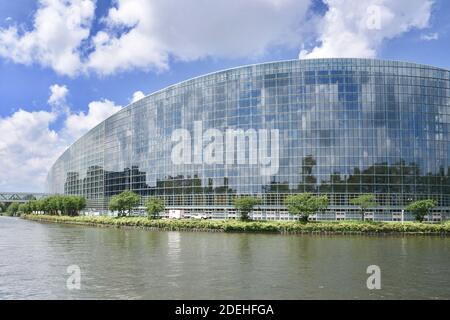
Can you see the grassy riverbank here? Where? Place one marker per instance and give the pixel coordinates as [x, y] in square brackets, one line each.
[348, 227]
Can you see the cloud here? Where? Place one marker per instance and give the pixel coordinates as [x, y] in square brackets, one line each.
[29, 146]
[358, 28]
[59, 27]
[58, 94]
[57, 99]
[78, 124]
[146, 35]
[27, 150]
[138, 95]
[189, 30]
[429, 36]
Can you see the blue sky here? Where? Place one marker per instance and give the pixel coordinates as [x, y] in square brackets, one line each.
[97, 54]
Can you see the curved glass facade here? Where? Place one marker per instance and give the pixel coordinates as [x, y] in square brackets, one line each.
[346, 127]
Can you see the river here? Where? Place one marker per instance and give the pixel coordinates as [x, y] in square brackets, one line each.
[137, 264]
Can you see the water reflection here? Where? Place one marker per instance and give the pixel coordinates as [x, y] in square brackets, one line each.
[136, 264]
[174, 263]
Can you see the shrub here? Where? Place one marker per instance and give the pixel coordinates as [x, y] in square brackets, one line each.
[254, 226]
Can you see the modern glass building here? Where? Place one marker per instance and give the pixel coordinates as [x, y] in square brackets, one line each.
[345, 127]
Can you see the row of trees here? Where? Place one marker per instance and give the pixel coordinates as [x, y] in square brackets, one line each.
[53, 205]
[305, 204]
[419, 208]
[302, 204]
[127, 200]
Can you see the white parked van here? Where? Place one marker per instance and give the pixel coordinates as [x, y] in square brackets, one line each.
[176, 214]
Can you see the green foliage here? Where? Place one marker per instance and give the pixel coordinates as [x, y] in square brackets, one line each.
[364, 202]
[13, 209]
[154, 207]
[55, 205]
[24, 208]
[71, 205]
[347, 227]
[245, 205]
[124, 201]
[304, 204]
[421, 208]
[114, 203]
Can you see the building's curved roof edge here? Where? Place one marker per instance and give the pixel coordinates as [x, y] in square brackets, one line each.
[240, 67]
[284, 61]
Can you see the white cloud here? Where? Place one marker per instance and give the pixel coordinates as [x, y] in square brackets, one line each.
[358, 28]
[146, 34]
[429, 36]
[57, 99]
[78, 124]
[28, 145]
[138, 95]
[58, 94]
[27, 149]
[188, 30]
[59, 28]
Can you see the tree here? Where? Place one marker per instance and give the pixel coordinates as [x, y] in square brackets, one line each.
[245, 205]
[68, 206]
[56, 204]
[22, 208]
[48, 205]
[28, 209]
[33, 206]
[114, 203]
[304, 204]
[421, 208]
[124, 201]
[154, 207]
[364, 202]
[40, 206]
[80, 204]
[25, 208]
[13, 209]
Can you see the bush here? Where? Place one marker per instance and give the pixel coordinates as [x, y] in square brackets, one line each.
[254, 226]
[13, 210]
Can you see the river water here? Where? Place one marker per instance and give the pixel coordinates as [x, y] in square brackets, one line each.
[137, 264]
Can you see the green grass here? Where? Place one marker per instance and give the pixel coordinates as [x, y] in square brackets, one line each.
[346, 227]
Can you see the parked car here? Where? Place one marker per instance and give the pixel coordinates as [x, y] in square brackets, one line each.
[200, 216]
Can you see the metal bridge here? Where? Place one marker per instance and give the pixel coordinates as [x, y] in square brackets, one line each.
[20, 197]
